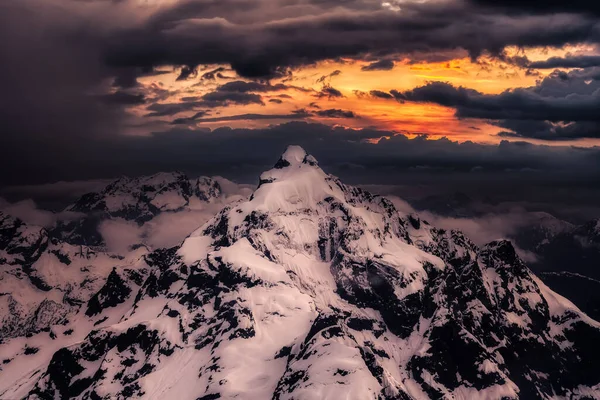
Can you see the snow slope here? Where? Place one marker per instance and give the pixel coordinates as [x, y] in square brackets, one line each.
[312, 289]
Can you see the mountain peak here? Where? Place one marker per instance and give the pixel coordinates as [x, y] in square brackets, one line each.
[295, 163]
[294, 182]
[294, 155]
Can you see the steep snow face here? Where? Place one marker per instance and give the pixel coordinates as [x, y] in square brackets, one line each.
[312, 289]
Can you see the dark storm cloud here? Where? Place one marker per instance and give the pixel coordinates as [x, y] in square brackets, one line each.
[328, 77]
[245, 87]
[567, 62]
[221, 97]
[187, 72]
[224, 151]
[49, 80]
[381, 94]
[59, 58]
[261, 45]
[329, 92]
[295, 115]
[381, 65]
[335, 113]
[122, 98]
[561, 106]
[543, 7]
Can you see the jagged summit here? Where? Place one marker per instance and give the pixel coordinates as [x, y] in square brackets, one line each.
[293, 155]
[293, 162]
[313, 289]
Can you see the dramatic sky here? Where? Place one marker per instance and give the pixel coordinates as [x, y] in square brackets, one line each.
[92, 89]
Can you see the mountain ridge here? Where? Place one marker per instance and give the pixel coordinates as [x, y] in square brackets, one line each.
[134, 199]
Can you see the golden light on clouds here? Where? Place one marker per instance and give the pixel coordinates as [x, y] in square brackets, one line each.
[349, 77]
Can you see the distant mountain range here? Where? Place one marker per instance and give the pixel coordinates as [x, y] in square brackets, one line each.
[569, 262]
[138, 200]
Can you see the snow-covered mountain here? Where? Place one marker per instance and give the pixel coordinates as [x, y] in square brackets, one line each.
[581, 242]
[312, 289]
[539, 230]
[454, 205]
[137, 200]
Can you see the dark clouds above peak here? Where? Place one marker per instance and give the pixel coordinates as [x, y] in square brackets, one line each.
[336, 113]
[381, 65]
[263, 38]
[581, 61]
[72, 71]
[49, 78]
[329, 92]
[542, 7]
[300, 114]
[224, 151]
[562, 106]
[244, 87]
[123, 98]
[381, 94]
